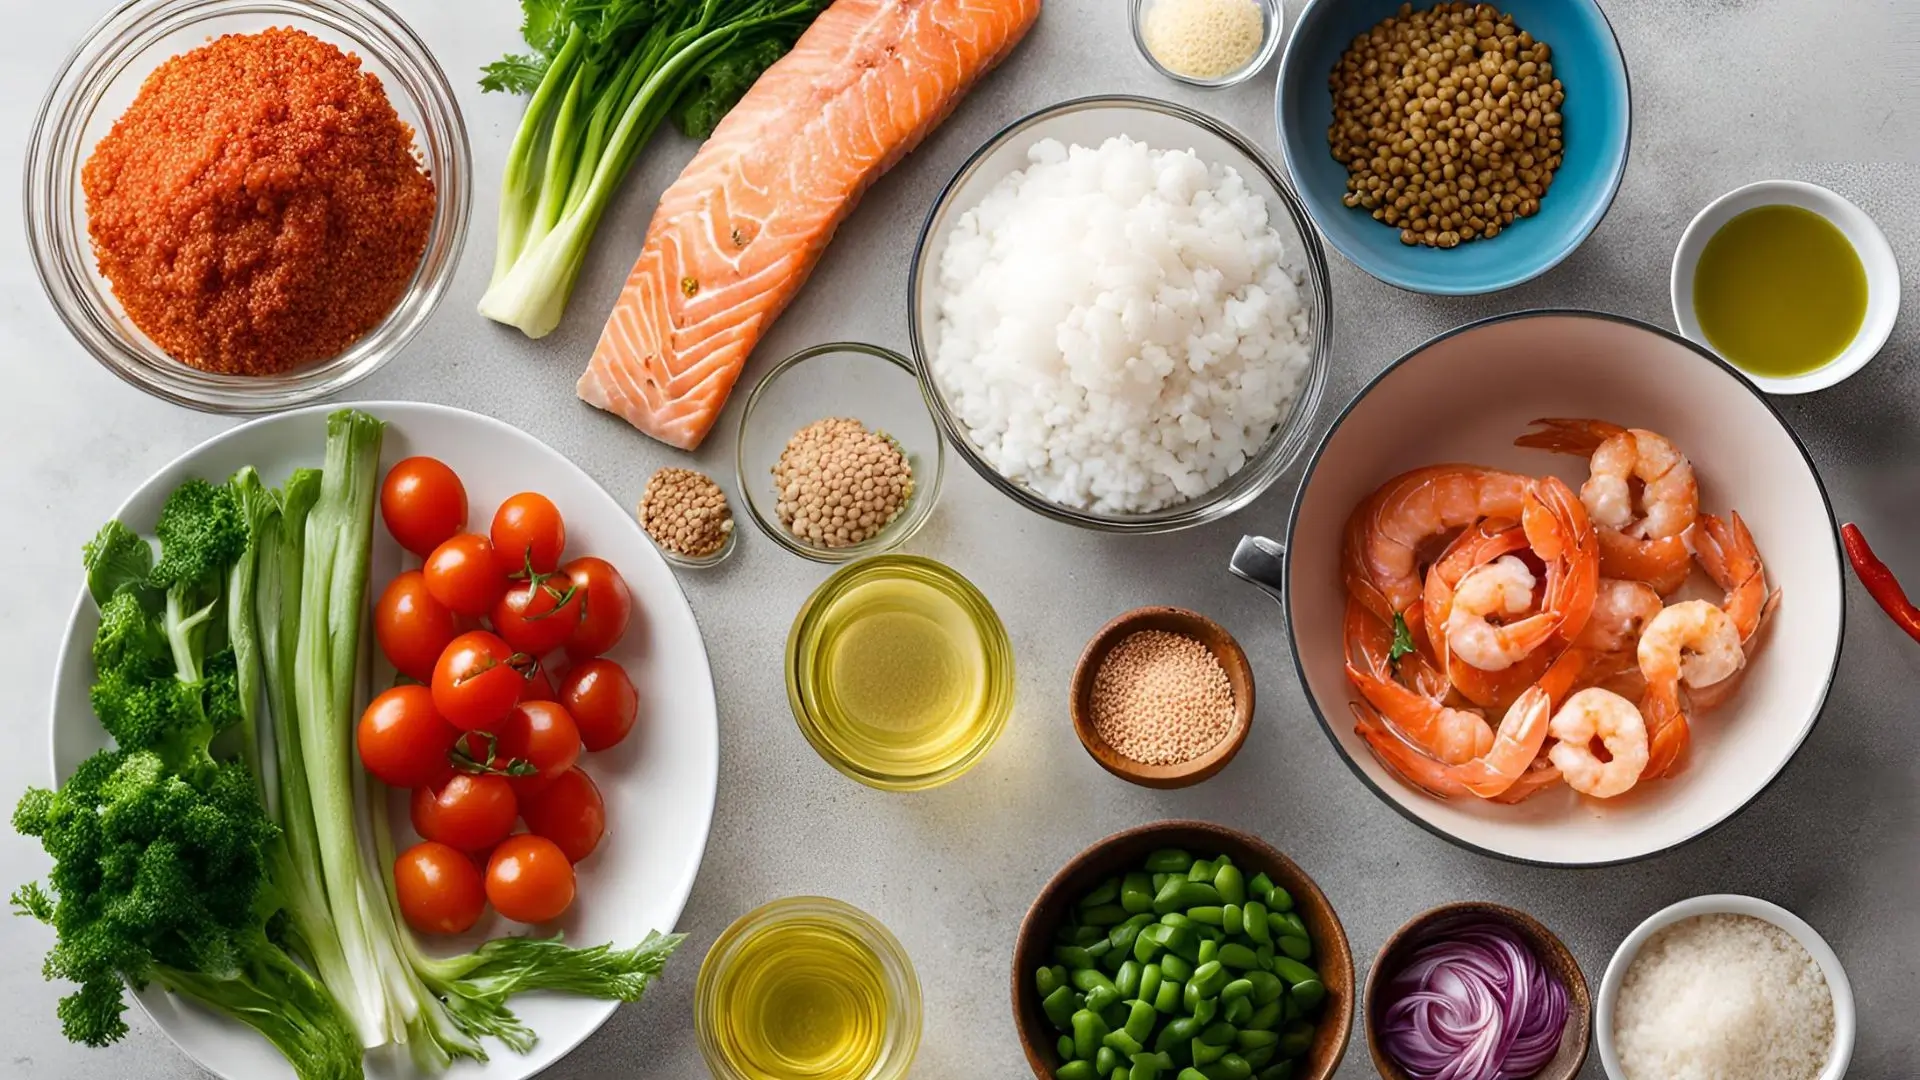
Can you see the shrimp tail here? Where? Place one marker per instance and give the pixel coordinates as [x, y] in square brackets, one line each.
[1668, 733]
[1563, 436]
[1410, 767]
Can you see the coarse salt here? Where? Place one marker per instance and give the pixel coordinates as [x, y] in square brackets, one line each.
[1723, 997]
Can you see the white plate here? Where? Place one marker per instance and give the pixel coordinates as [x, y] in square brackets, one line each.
[1465, 396]
[659, 783]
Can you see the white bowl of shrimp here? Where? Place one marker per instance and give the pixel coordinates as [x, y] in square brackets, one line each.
[1572, 642]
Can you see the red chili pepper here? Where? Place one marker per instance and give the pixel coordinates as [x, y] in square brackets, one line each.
[1880, 582]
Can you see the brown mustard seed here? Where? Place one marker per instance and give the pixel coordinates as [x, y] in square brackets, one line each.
[839, 484]
[1161, 698]
[685, 512]
[1448, 121]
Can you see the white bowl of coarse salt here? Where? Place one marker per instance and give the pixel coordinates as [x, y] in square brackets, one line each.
[1724, 986]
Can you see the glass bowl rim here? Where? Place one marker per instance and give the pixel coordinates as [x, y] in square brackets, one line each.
[920, 503]
[1273, 20]
[994, 641]
[54, 156]
[894, 958]
[1266, 465]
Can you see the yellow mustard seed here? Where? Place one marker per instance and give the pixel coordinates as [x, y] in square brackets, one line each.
[1204, 39]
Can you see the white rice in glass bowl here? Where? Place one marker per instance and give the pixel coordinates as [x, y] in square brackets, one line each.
[1118, 329]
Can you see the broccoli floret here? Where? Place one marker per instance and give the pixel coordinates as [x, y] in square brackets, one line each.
[129, 641]
[220, 691]
[201, 531]
[156, 712]
[117, 560]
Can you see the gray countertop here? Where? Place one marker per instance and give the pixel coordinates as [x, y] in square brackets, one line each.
[1726, 91]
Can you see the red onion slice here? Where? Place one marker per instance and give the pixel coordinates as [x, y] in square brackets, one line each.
[1476, 1004]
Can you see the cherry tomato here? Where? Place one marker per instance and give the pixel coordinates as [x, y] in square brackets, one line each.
[476, 681]
[539, 733]
[412, 627]
[606, 606]
[468, 812]
[403, 740]
[538, 616]
[568, 812]
[601, 700]
[529, 879]
[539, 685]
[528, 527]
[463, 575]
[423, 503]
[440, 890]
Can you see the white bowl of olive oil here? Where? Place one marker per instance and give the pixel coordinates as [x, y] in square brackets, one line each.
[1789, 282]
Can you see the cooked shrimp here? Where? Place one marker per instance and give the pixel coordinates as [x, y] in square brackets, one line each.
[1691, 643]
[1540, 776]
[1504, 589]
[1598, 714]
[1515, 747]
[1410, 698]
[1621, 610]
[1641, 539]
[1727, 553]
[1481, 543]
[1386, 531]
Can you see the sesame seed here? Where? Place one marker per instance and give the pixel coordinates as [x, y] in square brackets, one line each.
[1161, 698]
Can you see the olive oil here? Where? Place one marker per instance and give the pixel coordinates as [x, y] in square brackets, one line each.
[807, 989]
[1779, 291]
[899, 672]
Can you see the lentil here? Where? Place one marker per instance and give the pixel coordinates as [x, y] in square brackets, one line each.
[1203, 39]
[685, 512]
[1161, 698]
[1448, 121]
[839, 484]
[258, 206]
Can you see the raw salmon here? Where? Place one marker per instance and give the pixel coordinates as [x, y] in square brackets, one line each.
[736, 236]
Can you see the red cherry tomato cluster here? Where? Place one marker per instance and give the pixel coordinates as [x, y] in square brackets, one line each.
[502, 641]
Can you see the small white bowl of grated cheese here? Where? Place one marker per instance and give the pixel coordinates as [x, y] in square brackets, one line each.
[1721, 986]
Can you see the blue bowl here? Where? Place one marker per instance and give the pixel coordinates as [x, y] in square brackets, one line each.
[1598, 121]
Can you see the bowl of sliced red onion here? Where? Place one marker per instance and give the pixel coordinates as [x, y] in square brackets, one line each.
[1476, 991]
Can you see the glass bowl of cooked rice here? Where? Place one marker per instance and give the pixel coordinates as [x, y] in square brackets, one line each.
[252, 283]
[1121, 316]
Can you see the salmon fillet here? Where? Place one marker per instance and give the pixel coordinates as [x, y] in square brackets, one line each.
[735, 237]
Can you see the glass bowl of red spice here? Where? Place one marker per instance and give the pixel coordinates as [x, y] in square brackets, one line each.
[243, 205]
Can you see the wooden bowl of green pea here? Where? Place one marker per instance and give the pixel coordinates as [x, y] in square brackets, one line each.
[1182, 950]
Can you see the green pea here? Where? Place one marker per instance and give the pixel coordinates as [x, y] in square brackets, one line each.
[1238, 988]
[1293, 971]
[1104, 915]
[1073, 957]
[1217, 1034]
[1077, 1070]
[1251, 1039]
[1105, 1061]
[1179, 895]
[1212, 916]
[1102, 998]
[1308, 995]
[1149, 1066]
[1190, 1000]
[1232, 918]
[1295, 1039]
[1120, 1041]
[1238, 956]
[1122, 939]
[1293, 919]
[1159, 881]
[1201, 870]
[1282, 1071]
[1060, 1007]
[1182, 941]
[1209, 950]
[1150, 976]
[1105, 893]
[1253, 918]
[1127, 980]
[1267, 988]
[1099, 948]
[1280, 900]
[1258, 1056]
[1169, 861]
[1237, 1011]
[1177, 1031]
[1167, 998]
[1136, 892]
[1065, 1046]
[1259, 886]
[1264, 1018]
[1140, 1020]
[1085, 935]
[1175, 918]
[1049, 979]
[1191, 1074]
[1232, 1066]
[1176, 968]
[1088, 1030]
[1206, 1009]
[1295, 948]
[1264, 954]
[1205, 1053]
[1210, 977]
[1230, 885]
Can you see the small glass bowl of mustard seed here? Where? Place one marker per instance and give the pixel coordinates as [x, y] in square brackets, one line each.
[838, 456]
[1212, 44]
[688, 518]
[253, 84]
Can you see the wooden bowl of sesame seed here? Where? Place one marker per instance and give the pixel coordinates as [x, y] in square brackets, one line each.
[1162, 697]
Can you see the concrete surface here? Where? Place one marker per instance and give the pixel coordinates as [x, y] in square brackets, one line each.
[1727, 91]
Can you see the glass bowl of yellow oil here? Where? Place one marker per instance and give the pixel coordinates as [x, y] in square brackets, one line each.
[807, 988]
[1789, 282]
[899, 672]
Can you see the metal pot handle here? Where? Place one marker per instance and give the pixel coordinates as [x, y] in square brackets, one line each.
[1263, 562]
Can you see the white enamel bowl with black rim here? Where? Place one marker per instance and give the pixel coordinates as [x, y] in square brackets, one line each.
[1464, 397]
[659, 783]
